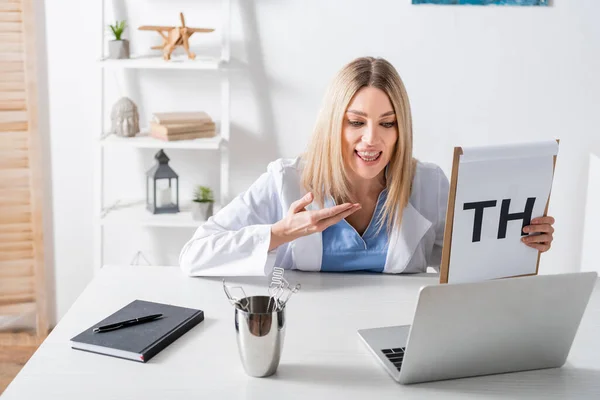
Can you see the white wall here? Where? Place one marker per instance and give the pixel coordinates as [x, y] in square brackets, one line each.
[475, 75]
[71, 75]
[591, 234]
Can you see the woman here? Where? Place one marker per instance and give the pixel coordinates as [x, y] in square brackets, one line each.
[357, 200]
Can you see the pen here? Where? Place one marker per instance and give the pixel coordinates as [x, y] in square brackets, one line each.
[129, 322]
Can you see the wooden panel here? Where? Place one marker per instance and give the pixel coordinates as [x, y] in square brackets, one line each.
[10, 16]
[15, 66]
[13, 228]
[16, 268]
[20, 308]
[12, 86]
[13, 159]
[12, 95]
[11, 27]
[13, 116]
[16, 255]
[16, 285]
[18, 218]
[21, 241]
[13, 178]
[12, 105]
[14, 197]
[37, 179]
[16, 246]
[10, 6]
[16, 298]
[10, 37]
[13, 126]
[14, 76]
[15, 238]
[11, 57]
[11, 47]
[21, 209]
[19, 181]
[14, 140]
[17, 177]
[12, 101]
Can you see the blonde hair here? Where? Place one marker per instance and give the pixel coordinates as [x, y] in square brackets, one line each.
[324, 173]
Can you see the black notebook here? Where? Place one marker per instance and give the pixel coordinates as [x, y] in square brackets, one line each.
[143, 341]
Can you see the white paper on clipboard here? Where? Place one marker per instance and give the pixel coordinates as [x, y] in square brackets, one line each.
[488, 177]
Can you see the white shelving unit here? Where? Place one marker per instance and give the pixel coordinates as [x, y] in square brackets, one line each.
[144, 141]
[151, 62]
[134, 212]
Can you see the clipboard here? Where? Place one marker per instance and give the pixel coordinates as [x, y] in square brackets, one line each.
[450, 216]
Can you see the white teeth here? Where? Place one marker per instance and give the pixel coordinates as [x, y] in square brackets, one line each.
[368, 155]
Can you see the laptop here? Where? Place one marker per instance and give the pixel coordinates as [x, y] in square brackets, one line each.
[482, 328]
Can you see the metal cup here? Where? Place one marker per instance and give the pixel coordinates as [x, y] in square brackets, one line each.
[260, 332]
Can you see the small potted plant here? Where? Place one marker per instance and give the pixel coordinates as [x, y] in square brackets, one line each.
[118, 48]
[202, 206]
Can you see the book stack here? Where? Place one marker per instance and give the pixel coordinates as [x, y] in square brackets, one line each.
[171, 126]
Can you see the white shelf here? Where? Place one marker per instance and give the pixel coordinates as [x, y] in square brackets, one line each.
[136, 214]
[157, 62]
[144, 141]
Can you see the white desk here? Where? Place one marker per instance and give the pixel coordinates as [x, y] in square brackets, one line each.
[323, 356]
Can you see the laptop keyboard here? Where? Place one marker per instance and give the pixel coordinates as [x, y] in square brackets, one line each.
[395, 355]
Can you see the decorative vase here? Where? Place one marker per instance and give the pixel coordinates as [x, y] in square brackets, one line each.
[202, 211]
[118, 49]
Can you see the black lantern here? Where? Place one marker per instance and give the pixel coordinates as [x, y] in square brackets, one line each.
[162, 187]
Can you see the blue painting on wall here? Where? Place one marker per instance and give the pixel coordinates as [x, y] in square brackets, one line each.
[486, 2]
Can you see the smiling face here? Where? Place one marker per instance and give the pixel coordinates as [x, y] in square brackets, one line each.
[369, 133]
